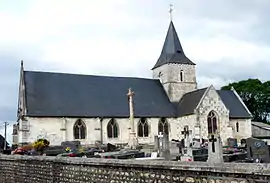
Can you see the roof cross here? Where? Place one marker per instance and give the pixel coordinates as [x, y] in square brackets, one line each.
[170, 11]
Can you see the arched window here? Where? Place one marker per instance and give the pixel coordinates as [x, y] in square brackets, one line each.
[79, 130]
[212, 122]
[112, 129]
[143, 128]
[163, 126]
[181, 75]
[237, 127]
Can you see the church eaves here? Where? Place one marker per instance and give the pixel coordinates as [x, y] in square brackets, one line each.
[172, 51]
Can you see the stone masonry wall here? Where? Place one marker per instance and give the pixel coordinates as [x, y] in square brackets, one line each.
[26, 169]
[169, 75]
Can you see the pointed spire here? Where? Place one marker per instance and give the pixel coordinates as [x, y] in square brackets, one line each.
[172, 51]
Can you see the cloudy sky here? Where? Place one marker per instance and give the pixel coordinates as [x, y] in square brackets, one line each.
[228, 40]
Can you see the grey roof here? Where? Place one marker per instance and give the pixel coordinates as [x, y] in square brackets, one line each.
[261, 125]
[231, 101]
[172, 51]
[189, 102]
[71, 95]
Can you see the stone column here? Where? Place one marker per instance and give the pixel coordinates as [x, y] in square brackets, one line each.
[133, 141]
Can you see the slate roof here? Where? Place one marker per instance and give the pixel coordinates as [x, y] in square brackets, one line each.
[231, 101]
[261, 125]
[172, 51]
[190, 101]
[71, 95]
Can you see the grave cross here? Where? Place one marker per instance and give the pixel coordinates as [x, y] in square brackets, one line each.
[213, 140]
[185, 132]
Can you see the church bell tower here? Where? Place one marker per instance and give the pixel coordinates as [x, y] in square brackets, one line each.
[174, 70]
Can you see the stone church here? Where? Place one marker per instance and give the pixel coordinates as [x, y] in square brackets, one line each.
[90, 108]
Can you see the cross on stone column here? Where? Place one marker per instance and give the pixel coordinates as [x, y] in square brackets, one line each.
[133, 140]
[213, 140]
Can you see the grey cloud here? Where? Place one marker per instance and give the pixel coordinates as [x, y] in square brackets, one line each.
[224, 69]
[243, 19]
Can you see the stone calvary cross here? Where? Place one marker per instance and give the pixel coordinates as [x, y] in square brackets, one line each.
[133, 142]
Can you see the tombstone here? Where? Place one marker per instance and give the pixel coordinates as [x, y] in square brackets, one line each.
[215, 150]
[162, 146]
[186, 134]
[258, 149]
[187, 154]
[174, 149]
[71, 144]
[181, 145]
[165, 149]
[243, 142]
[157, 145]
[232, 142]
[196, 144]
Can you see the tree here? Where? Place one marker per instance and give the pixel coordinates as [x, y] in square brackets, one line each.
[256, 95]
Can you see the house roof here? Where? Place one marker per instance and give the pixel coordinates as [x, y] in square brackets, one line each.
[172, 51]
[231, 101]
[264, 126]
[71, 95]
[190, 101]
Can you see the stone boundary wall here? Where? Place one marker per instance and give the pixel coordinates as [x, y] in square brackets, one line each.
[39, 169]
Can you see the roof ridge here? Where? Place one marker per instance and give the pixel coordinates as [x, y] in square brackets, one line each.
[75, 74]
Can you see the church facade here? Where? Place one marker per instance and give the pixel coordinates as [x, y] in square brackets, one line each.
[88, 108]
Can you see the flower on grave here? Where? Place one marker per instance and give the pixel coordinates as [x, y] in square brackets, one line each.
[68, 149]
[41, 144]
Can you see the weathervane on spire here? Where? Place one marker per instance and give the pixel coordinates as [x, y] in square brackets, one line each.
[170, 11]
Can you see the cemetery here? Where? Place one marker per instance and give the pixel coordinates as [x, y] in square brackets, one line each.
[212, 151]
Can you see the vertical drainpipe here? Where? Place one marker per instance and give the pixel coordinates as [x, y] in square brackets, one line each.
[101, 129]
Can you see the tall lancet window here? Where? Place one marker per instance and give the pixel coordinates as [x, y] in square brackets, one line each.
[79, 130]
[212, 122]
[143, 128]
[163, 126]
[237, 127]
[112, 129]
[181, 75]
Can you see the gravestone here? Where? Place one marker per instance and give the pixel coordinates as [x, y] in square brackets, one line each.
[258, 149]
[157, 144]
[186, 134]
[187, 154]
[196, 143]
[243, 142]
[74, 145]
[162, 145]
[215, 150]
[165, 149]
[232, 142]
